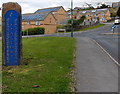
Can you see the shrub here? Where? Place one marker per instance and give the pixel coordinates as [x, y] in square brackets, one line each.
[34, 31]
[61, 26]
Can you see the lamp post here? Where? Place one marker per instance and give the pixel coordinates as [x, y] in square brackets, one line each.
[71, 18]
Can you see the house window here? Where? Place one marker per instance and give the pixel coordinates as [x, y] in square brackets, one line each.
[102, 14]
[102, 19]
[50, 20]
[37, 23]
[28, 22]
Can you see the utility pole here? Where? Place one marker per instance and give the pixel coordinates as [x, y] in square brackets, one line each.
[71, 18]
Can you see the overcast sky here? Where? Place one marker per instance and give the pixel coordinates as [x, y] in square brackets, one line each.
[29, 6]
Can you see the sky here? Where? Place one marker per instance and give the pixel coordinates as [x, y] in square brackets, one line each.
[30, 6]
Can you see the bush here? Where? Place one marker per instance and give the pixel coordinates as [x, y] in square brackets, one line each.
[61, 26]
[34, 31]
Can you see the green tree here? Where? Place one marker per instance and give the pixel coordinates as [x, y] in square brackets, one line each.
[104, 6]
[118, 12]
[77, 22]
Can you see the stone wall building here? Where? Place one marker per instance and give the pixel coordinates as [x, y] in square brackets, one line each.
[116, 4]
[46, 20]
[93, 16]
[58, 12]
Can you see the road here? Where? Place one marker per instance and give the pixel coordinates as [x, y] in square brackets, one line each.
[108, 42]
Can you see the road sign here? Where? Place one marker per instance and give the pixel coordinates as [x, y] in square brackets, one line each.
[12, 38]
[113, 26]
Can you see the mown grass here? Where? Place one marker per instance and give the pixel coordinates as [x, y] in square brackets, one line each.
[48, 62]
[92, 27]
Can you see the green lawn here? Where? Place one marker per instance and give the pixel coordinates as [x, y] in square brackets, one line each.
[48, 63]
[92, 27]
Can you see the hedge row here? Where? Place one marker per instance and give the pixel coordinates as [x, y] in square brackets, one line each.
[34, 31]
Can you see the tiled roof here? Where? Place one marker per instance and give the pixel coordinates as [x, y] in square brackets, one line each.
[33, 16]
[53, 9]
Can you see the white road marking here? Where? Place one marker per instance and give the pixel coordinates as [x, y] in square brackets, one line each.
[107, 53]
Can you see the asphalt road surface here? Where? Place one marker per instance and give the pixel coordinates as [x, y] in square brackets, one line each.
[108, 41]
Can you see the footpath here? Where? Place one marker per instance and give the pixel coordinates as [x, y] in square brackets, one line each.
[95, 71]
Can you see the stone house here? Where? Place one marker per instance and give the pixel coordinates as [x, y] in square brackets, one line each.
[58, 12]
[94, 16]
[46, 20]
[116, 4]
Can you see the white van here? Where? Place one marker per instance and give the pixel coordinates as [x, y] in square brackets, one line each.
[117, 21]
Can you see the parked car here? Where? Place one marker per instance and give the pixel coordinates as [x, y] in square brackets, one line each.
[117, 22]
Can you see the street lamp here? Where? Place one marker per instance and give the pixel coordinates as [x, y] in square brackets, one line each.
[71, 18]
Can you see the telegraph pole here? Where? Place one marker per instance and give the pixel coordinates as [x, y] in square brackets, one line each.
[71, 18]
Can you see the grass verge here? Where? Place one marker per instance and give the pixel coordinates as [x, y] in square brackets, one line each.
[48, 62]
[92, 27]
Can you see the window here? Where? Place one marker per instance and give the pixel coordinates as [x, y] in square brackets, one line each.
[28, 22]
[102, 19]
[50, 20]
[102, 14]
[37, 23]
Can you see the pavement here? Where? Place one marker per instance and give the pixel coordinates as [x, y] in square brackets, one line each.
[95, 71]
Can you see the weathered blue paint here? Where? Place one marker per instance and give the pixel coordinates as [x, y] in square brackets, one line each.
[12, 38]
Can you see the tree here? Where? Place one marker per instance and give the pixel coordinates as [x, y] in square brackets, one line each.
[75, 22]
[102, 5]
[118, 12]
